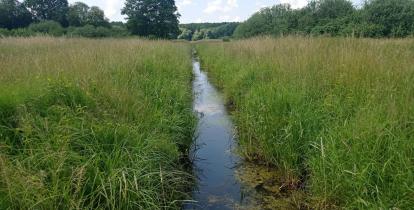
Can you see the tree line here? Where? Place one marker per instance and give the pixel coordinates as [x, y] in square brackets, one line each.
[159, 19]
[198, 31]
[376, 18]
[151, 18]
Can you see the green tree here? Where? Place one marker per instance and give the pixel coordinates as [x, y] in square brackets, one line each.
[390, 18]
[56, 10]
[332, 16]
[13, 14]
[96, 17]
[332, 9]
[78, 14]
[157, 18]
[225, 30]
[198, 35]
[256, 25]
[48, 27]
[274, 20]
[185, 34]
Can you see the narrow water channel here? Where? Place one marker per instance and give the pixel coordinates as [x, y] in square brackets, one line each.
[225, 181]
[215, 161]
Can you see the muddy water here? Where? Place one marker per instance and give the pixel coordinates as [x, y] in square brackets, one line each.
[225, 181]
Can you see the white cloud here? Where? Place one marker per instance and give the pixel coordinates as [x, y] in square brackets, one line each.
[232, 3]
[220, 6]
[295, 3]
[112, 8]
[183, 3]
[228, 18]
[199, 20]
[201, 10]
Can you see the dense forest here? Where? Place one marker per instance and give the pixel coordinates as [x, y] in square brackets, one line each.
[376, 18]
[56, 18]
[146, 18]
[198, 31]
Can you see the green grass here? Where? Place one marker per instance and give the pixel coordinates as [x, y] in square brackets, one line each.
[94, 124]
[334, 114]
[104, 124]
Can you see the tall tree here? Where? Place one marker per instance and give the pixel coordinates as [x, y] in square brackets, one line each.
[96, 17]
[332, 16]
[331, 9]
[56, 10]
[273, 20]
[391, 18]
[14, 14]
[78, 14]
[152, 17]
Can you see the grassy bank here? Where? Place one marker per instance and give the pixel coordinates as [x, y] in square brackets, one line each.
[336, 115]
[88, 124]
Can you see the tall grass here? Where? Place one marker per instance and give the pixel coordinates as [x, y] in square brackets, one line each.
[94, 124]
[335, 115]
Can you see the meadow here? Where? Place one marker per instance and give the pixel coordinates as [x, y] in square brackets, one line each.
[335, 115]
[108, 123]
[94, 124]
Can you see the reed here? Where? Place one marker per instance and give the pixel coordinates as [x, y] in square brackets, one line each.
[94, 124]
[336, 115]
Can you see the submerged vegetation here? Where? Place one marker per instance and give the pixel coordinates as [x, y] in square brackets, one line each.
[336, 116]
[88, 124]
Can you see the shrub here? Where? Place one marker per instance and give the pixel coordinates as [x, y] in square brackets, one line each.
[89, 31]
[22, 32]
[52, 28]
[119, 32]
[4, 32]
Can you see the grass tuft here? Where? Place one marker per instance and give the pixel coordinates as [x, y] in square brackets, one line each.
[334, 114]
[94, 124]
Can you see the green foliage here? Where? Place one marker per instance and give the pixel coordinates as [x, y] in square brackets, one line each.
[157, 18]
[185, 34]
[89, 31]
[55, 10]
[96, 17]
[49, 27]
[275, 20]
[225, 30]
[199, 35]
[390, 18]
[94, 124]
[4, 32]
[14, 14]
[377, 18]
[78, 14]
[198, 31]
[119, 30]
[18, 32]
[335, 115]
[51, 15]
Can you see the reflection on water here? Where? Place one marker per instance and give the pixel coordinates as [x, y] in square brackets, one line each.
[224, 180]
[217, 187]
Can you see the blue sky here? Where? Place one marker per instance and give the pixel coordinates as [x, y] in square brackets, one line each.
[201, 10]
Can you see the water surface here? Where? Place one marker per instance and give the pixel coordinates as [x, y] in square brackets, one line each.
[215, 161]
[225, 181]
